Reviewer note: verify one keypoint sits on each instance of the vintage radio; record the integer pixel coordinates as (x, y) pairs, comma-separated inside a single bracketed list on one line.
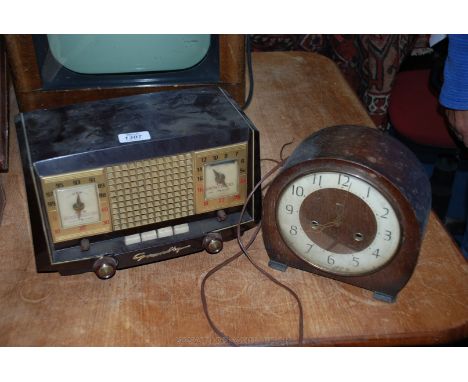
[(128, 181)]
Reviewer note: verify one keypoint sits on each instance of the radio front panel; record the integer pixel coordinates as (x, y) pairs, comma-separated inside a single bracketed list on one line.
[(140, 193)]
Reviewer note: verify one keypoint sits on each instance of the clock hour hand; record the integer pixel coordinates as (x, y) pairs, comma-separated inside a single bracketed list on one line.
[(336, 222)]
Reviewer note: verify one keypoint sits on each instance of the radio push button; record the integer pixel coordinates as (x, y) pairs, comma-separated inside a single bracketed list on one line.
[(181, 228), (165, 232), (132, 239), (149, 235)]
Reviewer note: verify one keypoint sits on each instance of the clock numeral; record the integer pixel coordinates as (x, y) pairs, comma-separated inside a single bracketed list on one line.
[(356, 261), (376, 253), (310, 247), (388, 235), (384, 215), (368, 192), (297, 190), (289, 208), (331, 260), (293, 230), (345, 178), (319, 179)]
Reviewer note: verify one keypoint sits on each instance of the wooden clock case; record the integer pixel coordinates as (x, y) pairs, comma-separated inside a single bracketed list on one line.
[(385, 164)]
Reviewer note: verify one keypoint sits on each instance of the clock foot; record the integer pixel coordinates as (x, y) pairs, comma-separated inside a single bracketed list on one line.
[(384, 297), (277, 265)]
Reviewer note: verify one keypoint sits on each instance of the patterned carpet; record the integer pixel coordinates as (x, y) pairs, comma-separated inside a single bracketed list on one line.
[(368, 62)]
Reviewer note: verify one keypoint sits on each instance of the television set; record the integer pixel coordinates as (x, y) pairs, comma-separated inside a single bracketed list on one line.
[(56, 70)]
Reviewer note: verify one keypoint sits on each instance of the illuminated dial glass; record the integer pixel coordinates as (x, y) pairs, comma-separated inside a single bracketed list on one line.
[(221, 179), (78, 205)]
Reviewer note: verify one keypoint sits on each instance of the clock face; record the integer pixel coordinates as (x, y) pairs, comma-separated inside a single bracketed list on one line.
[(338, 223)]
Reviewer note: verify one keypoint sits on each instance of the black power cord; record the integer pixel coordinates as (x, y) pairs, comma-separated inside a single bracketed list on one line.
[(248, 54)]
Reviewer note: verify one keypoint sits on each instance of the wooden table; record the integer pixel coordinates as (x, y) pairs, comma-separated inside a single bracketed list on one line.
[(159, 304)]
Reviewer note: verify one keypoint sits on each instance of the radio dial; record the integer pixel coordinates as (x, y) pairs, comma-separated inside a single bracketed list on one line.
[(78, 205)]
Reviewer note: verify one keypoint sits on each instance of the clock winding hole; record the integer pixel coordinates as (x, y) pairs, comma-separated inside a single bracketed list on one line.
[(358, 236), (337, 220)]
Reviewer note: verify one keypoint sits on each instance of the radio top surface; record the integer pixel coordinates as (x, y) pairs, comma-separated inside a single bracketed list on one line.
[(112, 131)]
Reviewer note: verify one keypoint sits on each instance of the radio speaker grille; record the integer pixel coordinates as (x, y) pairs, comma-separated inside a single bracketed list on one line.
[(151, 191)]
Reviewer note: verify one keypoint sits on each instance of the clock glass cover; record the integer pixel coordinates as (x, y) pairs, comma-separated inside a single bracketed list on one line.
[(338, 223)]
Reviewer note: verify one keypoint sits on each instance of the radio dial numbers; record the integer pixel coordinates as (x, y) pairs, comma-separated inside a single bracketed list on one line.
[(77, 204), (220, 177)]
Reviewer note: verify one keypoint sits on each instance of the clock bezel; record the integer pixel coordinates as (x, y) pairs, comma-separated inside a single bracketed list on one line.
[(392, 276), (385, 259)]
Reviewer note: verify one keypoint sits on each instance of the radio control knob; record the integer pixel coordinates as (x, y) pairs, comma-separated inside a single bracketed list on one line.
[(84, 244), (213, 243), (105, 267), (221, 215)]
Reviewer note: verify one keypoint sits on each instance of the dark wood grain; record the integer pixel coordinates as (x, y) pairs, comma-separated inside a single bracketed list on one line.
[(23, 63), (159, 304)]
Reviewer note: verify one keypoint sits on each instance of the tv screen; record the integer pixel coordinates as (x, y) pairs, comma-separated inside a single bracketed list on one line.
[(84, 61)]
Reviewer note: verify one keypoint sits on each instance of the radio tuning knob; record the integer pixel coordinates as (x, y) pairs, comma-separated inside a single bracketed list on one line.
[(213, 243), (84, 244), (105, 267), (221, 215)]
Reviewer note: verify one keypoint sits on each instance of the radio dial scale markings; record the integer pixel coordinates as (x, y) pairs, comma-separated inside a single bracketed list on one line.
[(77, 204), (220, 177)]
